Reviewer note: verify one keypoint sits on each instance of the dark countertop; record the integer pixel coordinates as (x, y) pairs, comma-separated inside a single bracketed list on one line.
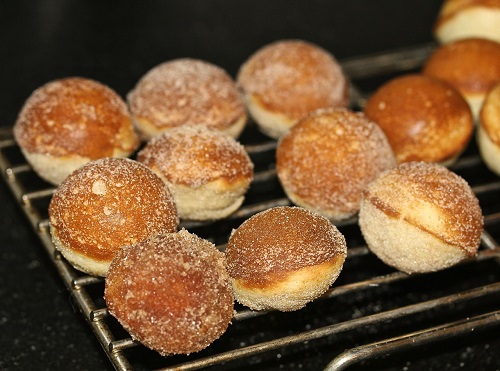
[(115, 43)]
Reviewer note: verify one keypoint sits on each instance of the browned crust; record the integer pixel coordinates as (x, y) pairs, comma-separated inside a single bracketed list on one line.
[(271, 244), (424, 119), (415, 187), (171, 292), (470, 65), (110, 203), (75, 115), (294, 77), (274, 281)]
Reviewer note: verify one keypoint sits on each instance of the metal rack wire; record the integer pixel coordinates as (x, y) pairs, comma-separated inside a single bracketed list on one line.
[(405, 310)]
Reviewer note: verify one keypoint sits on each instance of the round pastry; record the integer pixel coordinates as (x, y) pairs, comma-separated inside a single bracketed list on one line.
[(171, 292), (488, 133), (472, 66), (463, 19), (283, 258), (207, 172), (326, 160), (186, 91), (69, 122), (285, 80), (421, 217), (105, 205), (424, 119)]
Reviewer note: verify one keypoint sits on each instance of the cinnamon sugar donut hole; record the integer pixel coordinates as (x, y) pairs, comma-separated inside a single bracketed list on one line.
[(326, 160), (488, 132), (471, 66), (424, 119), (284, 81), (171, 292), (421, 217), (463, 19), (187, 91), (107, 204), (71, 121), (207, 172), (283, 258)]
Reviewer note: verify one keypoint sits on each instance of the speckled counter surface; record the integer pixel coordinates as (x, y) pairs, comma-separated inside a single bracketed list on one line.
[(115, 43)]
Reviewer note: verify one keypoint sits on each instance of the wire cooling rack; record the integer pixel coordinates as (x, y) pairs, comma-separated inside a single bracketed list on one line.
[(371, 313)]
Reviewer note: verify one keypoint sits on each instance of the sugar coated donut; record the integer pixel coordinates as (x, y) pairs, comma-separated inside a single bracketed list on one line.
[(424, 119), (207, 172), (105, 205), (472, 66), (171, 292), (71, 121), (488, 132), (326, 160), (463, 19), (283, 258), (284, 81), (187, 91), (421, 217)]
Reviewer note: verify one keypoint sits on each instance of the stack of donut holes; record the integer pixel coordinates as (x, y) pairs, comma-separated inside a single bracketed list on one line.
[(119, 217)]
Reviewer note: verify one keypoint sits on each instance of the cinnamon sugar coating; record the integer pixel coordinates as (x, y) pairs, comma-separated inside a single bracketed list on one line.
[(288, 79), (194, 155), (171, 292), (75, 116), (421, 217), (207, 172), (71, 121), (271, 254), (186, 91), (105, 205), (325, 161)]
